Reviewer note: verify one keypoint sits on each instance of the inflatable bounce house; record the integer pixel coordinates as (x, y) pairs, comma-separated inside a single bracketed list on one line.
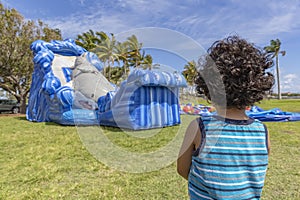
[(68, 88)]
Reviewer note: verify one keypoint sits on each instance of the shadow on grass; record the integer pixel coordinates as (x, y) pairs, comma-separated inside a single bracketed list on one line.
[(54, 124), (111, 128), (118, 129), (104, 128), (21, 118)]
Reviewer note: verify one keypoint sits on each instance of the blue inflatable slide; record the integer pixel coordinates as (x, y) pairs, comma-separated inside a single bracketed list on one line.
[(68, 88)]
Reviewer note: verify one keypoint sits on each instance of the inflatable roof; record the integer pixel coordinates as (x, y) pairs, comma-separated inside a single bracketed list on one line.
[(68, 88)]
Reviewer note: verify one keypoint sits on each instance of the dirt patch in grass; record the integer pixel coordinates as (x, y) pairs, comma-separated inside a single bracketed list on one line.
[(289, 132)]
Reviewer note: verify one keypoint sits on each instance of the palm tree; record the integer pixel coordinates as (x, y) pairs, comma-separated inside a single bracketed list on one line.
[(147, 61), (190, 72), (134, 55), (86, 40), (116, 75), (106, 51), (274, 48), (122, 51), (111, 52), (90, 39)]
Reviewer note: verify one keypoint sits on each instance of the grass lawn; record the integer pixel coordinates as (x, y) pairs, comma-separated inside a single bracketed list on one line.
[(49, 161)]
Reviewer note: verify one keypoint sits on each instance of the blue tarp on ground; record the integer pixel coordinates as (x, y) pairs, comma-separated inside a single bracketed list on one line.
[(272, 115)]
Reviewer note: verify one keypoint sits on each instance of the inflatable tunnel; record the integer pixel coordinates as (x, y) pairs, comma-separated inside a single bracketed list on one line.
[(68, 88)]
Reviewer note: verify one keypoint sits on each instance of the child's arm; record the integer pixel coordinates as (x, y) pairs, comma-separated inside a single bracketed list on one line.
[(269, 143), (267, 139), (190, 142)]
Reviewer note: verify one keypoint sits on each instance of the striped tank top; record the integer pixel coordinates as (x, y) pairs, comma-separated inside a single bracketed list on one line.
[(231, 161)]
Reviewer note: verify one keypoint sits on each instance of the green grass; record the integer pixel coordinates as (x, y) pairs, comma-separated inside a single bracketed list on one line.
[(49, 161), (291, 105)]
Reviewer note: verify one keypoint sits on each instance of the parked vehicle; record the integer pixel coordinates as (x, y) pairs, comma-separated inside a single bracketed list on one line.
[(7, 105)]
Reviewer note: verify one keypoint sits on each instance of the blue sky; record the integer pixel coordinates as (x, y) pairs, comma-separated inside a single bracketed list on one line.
[(186, 28)]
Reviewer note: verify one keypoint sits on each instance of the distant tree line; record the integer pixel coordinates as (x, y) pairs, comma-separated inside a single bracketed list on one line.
[(287, 94)]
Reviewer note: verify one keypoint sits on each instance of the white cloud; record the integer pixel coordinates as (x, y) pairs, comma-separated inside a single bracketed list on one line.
[(198, 19), (290, 77), (290, 83), (77, 24), (283, 17), (82, 2), (166, 40)]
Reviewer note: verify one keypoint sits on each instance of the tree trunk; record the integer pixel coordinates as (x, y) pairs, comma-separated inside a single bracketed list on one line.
[(23, 105), (278, 78)]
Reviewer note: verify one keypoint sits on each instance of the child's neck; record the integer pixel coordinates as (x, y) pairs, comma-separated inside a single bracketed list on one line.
[(232, 113)]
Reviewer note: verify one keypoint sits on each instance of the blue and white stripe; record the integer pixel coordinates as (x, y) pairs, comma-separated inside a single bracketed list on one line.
[(231, 162)]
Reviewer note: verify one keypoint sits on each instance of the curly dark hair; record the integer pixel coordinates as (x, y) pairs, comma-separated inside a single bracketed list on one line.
[(233, 73)]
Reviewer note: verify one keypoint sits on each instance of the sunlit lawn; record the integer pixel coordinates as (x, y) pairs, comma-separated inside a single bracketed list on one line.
[(49, 161)]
